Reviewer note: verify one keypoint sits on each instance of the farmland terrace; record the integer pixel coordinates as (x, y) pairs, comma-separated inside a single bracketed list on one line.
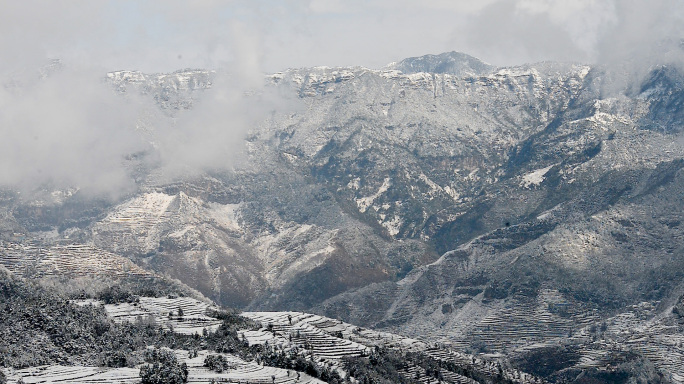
[(72, 260), (326, 342)]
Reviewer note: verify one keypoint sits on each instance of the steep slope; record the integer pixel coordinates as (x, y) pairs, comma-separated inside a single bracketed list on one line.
[(490, 208), (377, 157), (595, 212)]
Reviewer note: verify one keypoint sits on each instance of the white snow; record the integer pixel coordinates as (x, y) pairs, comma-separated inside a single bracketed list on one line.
[(535, 177), (365, 202), (226, 215), (393, 225), (354, 183)]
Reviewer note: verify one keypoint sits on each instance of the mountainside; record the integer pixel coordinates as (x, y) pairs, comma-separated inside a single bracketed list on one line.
[(360, 189), (500, 210)]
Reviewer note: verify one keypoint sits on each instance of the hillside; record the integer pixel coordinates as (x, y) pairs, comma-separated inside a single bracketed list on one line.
[(88, 340), (502, 211)]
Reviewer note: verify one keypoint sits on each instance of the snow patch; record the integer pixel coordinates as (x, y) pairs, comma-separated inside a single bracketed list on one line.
[(354, 183), (226, 216), (148, 207), (365, 202), (535, 177), (393, 226)]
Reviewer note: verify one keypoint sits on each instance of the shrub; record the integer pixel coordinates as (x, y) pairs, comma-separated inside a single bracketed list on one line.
[(163, 368), (217, 363), (114, 359), (115, 295)]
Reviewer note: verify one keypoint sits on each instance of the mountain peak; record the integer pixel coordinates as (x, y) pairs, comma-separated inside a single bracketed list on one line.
[(452, 63)]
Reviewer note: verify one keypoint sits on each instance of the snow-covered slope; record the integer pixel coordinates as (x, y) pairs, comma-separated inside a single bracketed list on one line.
[(441, 197)]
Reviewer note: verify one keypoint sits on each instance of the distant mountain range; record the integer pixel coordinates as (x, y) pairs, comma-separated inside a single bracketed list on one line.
[(510, 211)]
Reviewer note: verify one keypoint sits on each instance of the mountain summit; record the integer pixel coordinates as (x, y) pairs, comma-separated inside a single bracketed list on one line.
[(450, 63)]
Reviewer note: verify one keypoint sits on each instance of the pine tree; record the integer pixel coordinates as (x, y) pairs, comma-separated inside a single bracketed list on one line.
[(163, 368)]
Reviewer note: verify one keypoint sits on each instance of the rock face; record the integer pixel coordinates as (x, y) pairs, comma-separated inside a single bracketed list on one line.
[(486, 207)]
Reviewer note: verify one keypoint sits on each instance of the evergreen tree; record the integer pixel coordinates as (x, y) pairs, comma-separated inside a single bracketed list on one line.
[(163, 368)]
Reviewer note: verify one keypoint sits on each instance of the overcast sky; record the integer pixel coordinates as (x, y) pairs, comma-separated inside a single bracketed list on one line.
[(69, 129), (164, 35)]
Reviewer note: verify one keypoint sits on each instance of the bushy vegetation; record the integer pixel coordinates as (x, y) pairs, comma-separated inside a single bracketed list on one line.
[(40, 327), (115, 294), (112, 291), (294, 360), (383, 366), (547, 360), (556, 364), (380, 367), (216, 363), (163, 368)]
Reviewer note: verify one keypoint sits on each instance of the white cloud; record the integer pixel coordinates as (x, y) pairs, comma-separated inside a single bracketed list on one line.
[(70, 129), (67, 130)]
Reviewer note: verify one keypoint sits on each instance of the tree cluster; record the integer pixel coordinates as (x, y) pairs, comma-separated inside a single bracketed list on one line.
[(217, 363), (163, 368), (39, 327)]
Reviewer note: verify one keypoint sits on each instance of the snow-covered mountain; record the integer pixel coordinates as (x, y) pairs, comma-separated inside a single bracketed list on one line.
[(496, 209)]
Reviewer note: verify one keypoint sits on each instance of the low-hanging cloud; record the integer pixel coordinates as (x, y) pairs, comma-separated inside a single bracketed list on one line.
[(627, 38), (603, 32), (524, 31), (643, 36), (211, 135), (63, 126), (69, 128)]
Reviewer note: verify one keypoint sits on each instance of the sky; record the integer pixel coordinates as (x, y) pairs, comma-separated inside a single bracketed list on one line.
[(69, 129), (165, 35)]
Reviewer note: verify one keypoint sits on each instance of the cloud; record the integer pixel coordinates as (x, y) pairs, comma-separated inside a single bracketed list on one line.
[(156, 35), (505, 33), (604, 32), (68, 130), (66, 127), (643, 35), (211, 135), (626, 38), (509, 32)]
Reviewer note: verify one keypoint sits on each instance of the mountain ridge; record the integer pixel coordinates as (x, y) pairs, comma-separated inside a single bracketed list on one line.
[(435, 204)]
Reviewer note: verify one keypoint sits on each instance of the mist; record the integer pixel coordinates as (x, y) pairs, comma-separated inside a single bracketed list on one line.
[(627, 38), (67, 128), (64, 126)]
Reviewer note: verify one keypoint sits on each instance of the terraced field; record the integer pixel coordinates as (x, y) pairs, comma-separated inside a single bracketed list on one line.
[(651, 333), (164, 311), (329, 340), (659, 338), (323, 340), (444, 375), (242, 372), (72, 260), (73, 374)]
